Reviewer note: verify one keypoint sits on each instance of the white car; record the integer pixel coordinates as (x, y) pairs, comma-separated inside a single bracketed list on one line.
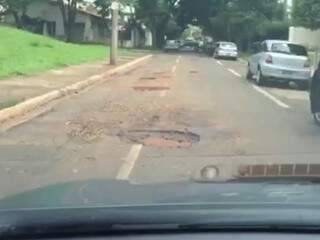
[(280, 61), (226, 50)]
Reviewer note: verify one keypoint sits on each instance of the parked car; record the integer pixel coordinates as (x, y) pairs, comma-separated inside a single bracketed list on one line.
[(172, 45), (209, 48), (189, 46), (281, 61), (226, 50), (315, 95)]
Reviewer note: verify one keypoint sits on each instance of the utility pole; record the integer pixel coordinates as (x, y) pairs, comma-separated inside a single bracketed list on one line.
[(114, 35)]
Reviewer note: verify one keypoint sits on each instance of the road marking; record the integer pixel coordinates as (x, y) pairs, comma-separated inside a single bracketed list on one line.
[(271, 97), (220, 63), (174, 68), (128, 165), (163, 93), (291, 94), (178, 60), (234, 72)]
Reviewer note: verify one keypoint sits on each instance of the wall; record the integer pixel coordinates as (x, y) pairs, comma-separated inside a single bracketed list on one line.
[(45, 10), (306, 37)]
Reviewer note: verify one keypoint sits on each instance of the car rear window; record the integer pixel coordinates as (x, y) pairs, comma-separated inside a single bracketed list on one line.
[(288, 48), (228, 45)]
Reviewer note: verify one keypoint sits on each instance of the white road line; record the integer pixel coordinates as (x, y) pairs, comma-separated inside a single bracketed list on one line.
[(234, 72), (178, 60), (128, 165), (174, 68), (163, 93), (220, 63), (271, 97)]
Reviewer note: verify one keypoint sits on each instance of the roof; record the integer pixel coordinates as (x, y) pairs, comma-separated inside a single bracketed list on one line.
[(88, 8), (277, 41), (226, 42)]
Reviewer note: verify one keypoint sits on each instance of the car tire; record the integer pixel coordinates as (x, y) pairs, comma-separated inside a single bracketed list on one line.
[(235, 59), (260, 79), (249, 75)]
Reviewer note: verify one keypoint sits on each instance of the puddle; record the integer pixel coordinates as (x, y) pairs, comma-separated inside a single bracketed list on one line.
[(161, 139)]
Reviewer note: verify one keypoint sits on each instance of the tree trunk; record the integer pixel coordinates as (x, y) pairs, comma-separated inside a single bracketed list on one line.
[(17, 20), (68, 12), (154, 38), (62, 8)]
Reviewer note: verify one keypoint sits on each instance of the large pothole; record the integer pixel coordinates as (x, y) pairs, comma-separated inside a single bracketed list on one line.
[(161, 139)]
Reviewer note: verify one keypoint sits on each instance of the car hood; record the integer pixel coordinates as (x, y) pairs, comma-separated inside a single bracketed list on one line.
[(95, 193)]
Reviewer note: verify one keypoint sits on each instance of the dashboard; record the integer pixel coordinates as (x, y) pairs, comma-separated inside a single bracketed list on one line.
[(207, 236)]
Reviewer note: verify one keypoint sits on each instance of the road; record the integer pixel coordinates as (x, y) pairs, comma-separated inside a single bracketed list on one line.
[(161, 122)]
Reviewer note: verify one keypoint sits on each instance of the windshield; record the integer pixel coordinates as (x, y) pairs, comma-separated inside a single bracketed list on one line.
[(291, 49), (158, 102)]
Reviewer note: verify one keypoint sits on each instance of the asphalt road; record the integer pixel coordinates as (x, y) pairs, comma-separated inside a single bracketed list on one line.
[(161, 122)]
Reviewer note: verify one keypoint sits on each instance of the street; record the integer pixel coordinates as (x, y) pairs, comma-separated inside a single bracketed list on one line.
[(160, 122)]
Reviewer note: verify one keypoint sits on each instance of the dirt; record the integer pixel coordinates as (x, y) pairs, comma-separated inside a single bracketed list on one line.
[(161, 139), (118, 119)]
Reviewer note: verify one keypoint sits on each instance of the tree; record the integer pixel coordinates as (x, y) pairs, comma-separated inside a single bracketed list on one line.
[(306, 13), (233, 20), (104, 7), (68, 10), (17, 8), (155, 14)]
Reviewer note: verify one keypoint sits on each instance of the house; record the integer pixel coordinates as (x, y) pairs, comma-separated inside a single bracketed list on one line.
[(44, 17), (307, 37)]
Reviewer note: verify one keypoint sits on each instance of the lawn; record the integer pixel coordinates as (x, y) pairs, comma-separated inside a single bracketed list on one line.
[(24, 53)]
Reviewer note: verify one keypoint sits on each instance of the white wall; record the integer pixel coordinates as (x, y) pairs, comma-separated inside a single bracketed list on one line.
[(306, 37), (51, 13)]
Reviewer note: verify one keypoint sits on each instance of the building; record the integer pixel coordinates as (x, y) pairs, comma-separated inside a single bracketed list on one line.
[(44, 17)]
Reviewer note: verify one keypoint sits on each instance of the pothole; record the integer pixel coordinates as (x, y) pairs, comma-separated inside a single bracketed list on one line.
[(148, 78), (150, 88), (161, 139), (193, 71), (89, 131)]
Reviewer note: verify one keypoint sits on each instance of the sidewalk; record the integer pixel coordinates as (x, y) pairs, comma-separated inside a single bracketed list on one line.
[(18, 89)]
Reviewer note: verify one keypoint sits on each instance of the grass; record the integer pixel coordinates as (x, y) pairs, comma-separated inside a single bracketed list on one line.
[(245, 55), (9, 103), (24, 53)]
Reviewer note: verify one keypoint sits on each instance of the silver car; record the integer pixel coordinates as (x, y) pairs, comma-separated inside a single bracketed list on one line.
[(226, 50), (172, 45), (280, 61)]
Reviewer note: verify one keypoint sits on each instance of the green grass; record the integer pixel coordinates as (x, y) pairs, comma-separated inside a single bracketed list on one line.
[(24, 53), (9, 103), (245, 55)]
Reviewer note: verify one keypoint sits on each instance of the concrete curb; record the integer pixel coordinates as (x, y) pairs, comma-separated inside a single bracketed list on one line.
[(33, 103)]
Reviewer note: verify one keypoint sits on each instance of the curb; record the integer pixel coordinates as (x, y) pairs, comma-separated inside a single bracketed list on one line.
[(31, 104)]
